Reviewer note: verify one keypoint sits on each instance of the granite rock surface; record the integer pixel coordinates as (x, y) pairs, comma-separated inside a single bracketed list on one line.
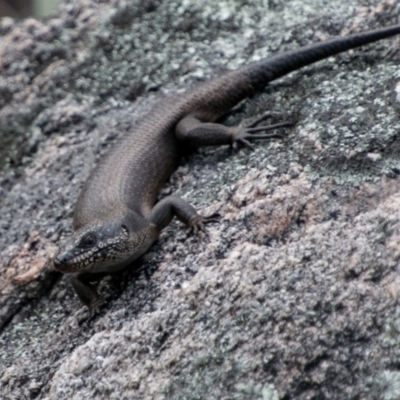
[(293, 295)]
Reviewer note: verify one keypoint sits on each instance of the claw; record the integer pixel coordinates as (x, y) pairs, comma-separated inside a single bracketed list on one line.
[(197, 225), (245, 143), (268, 136), (94, 307), (269, 127), (196, 229), (212, 218), (263, 117)]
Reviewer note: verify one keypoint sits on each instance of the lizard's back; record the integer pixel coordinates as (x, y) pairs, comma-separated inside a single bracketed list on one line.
[(131, 174)]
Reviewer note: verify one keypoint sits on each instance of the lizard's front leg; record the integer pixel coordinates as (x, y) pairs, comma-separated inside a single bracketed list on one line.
[(86, 292), (163, 212)]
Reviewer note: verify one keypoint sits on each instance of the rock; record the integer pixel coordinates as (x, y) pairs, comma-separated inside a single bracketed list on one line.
[(292, 295)]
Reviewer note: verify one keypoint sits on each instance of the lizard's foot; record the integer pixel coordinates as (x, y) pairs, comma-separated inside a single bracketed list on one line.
[(197, 224), (243, 135), (94, 307)]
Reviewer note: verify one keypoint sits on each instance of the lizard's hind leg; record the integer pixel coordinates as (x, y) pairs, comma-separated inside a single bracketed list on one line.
[(192, 132)]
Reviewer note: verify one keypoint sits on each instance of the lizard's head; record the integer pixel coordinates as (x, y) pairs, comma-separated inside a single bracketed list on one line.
[(95, 247)]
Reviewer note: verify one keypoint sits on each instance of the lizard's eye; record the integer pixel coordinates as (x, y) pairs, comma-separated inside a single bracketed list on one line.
[(88, 241)]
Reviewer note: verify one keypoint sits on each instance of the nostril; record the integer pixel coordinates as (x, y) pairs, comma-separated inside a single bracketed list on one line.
[(60, 259)]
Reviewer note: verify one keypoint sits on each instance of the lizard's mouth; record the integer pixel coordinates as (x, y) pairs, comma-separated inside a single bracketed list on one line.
[(61, 266), (64, 264)]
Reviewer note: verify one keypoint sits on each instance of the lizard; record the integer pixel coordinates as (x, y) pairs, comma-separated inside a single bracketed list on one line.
[(118, 217)]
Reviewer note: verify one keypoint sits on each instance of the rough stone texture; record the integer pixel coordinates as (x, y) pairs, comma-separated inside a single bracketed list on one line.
[(293, 295)]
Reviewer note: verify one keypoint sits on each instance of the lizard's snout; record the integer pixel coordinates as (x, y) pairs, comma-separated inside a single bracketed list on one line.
[(61, 263)]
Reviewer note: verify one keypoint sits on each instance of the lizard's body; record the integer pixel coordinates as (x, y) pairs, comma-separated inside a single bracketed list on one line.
[(117, 217)]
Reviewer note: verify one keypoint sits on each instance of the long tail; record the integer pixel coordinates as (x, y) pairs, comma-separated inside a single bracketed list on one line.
[(218, 96), (267, 70)]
